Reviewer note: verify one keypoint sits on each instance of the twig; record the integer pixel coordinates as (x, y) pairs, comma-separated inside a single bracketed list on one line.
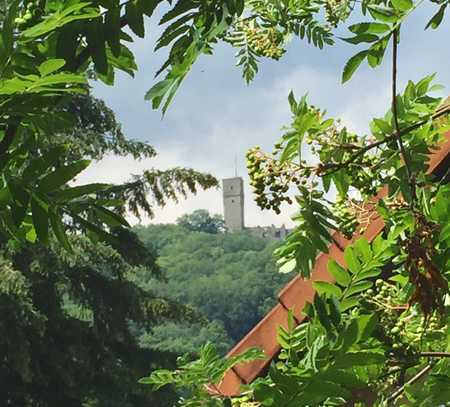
[(435, 354), (335, 167), (399, 140), (414, 379)]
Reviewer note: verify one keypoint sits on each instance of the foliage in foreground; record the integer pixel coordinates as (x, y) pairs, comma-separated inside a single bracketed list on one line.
[(379, 335), (49, 125), (66, 318)]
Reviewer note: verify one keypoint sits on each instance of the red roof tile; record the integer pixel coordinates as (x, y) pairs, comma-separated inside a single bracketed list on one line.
[(299, 291)]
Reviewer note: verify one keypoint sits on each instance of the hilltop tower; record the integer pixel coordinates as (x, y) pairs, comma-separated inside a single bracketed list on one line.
[(233, 203)]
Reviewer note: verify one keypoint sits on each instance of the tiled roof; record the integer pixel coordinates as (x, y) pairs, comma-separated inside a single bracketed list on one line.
[(299, 291)]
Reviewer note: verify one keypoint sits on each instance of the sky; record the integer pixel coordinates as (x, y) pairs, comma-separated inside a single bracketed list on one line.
[(216, 117)]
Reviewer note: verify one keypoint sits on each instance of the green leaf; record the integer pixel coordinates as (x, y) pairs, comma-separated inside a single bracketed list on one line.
[(39, 165), (135, 19), (324, 287), (7, 34), (95, 231), (5, 196), (249, 355), (292, 102), (110, 218), (335, 310), (159, 89), (180, 8), (75, 11), (40, 220), (321, 310), (348, 303), (62, 175), (366, 325), (361, 358), (357, 288), (377, 51), (341, 276), (382, 13), (112, 30), (383, 125), (361, 38), (351, 260), (288, 266), (352, 65), (369, 28), (8, 223), (50, 66), (95, 36), (75, 192), (349, 336), (423, 85), (436, 20), (364, 275), (147, 6), (169, 37), (59, 230), (402, 5), (363, 250)]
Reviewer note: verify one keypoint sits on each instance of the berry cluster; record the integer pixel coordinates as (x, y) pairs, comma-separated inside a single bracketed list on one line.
[(33, 10), (346, 217), (336, 11), (271, 179), (266, 42), (402, 325)]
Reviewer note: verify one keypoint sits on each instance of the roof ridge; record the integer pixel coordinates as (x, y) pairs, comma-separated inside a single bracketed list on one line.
[(298, 291)]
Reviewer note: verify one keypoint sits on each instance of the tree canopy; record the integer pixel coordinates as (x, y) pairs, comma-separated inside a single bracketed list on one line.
[(201, 221), (229, 277)]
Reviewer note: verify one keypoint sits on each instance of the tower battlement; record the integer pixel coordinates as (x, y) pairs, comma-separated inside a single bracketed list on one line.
[(234, 214), (233, 203)]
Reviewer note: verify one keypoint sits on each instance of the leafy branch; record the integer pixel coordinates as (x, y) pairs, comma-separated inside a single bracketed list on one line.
[(330, 168), (422, 373), (399, 140)]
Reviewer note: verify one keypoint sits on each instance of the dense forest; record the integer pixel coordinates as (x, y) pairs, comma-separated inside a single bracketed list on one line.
[(230, 278)]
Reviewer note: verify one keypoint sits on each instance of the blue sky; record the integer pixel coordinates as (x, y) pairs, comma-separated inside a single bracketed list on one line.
[(216, 117)]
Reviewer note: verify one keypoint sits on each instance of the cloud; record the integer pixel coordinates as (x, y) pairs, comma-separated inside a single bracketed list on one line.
[(215, 117)]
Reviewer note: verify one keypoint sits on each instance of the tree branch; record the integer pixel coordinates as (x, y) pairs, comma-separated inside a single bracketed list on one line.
[(398, 137), (336, 167), (435, 354), (414, 379)]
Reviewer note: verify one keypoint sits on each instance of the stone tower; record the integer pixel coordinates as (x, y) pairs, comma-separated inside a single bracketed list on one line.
[(233, 203)]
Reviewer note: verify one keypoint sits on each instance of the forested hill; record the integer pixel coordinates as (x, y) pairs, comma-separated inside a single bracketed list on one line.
[(230, 277)]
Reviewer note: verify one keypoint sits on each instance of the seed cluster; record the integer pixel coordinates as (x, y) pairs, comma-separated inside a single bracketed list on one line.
[(403, 326), (271, 179), (346, 217), (266, 42), (33, 10), (336, 11)]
